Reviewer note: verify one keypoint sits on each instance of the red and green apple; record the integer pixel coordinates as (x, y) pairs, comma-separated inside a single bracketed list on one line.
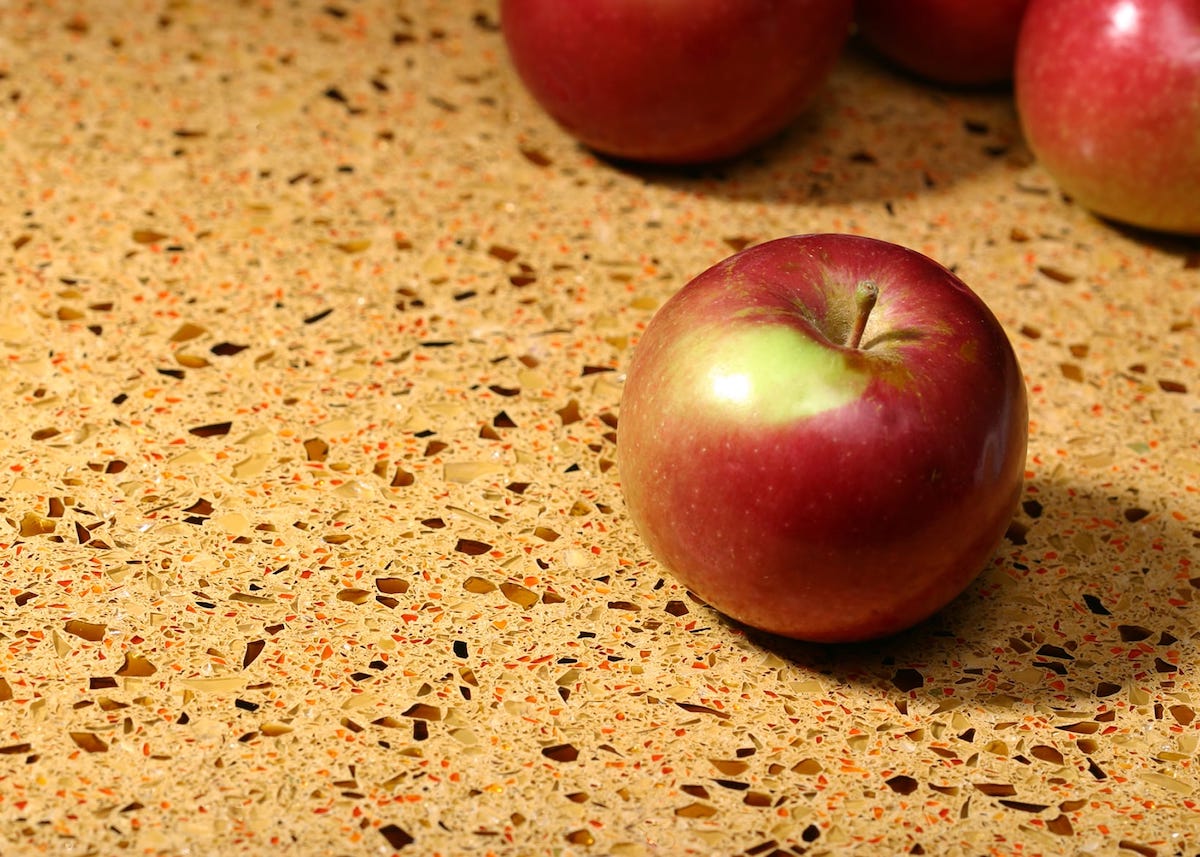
[(674, 81), (961, 42), (1108, 93), (823, 436)]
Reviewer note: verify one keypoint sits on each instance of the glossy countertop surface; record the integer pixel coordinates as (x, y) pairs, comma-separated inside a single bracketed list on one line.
[(312, 541)]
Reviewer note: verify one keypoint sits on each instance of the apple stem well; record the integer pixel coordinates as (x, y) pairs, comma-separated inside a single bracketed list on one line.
[(865, 297)]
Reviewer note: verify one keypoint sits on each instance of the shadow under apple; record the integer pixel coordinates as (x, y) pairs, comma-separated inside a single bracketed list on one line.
[(1088, 597), (871, 135), (1186, 247)]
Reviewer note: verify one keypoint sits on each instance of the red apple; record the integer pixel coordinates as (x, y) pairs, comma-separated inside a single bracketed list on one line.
[(964, 42), (823, 436), (1108, 92), (674, 81)]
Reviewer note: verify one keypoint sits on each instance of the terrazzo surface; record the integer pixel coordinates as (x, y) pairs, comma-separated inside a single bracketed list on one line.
[(312, 541)]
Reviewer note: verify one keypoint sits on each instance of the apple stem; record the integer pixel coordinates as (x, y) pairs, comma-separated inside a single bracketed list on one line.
[(865, 297)]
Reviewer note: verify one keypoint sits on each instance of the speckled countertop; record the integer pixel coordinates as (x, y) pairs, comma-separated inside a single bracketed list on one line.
[(312, 342)]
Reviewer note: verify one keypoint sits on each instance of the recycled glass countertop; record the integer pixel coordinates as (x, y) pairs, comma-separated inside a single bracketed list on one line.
[(312, 542)]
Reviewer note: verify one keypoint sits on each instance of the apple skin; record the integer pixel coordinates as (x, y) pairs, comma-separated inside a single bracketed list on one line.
[(958, 42), (674, 81), (810, 489), (1108, 93)]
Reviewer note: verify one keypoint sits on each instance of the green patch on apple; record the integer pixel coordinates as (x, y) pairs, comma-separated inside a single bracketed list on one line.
[(772, 372)]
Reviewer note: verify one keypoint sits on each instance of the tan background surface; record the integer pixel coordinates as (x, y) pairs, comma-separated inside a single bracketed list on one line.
[(312, 543)]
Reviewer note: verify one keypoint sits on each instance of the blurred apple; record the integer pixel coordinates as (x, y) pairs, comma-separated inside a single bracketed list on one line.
[(823, 436), (962, 42), (1108, 92), (674, 81)]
